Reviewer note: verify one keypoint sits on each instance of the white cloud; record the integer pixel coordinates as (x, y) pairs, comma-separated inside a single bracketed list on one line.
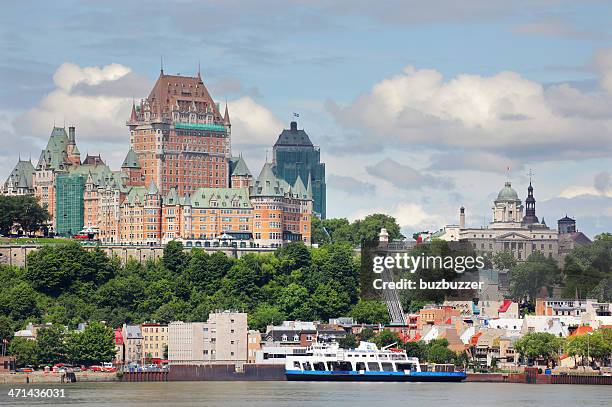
[(504, 114), (410, 217), (97, 100), (98, 115), (602, 61), (252, 123), (602, 187)]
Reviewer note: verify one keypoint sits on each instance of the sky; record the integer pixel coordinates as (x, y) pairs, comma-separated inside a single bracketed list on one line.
[(418, 107)]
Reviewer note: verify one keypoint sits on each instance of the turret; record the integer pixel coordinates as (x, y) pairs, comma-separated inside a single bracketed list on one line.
[(462, 218)]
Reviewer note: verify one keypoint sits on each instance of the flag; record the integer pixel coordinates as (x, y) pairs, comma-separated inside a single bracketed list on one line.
[(296, 115)]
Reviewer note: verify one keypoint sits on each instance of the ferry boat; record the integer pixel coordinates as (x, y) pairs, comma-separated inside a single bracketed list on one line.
[(365, 363)]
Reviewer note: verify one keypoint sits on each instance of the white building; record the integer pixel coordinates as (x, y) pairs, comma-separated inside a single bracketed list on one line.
[(510, 230), (222, 339)]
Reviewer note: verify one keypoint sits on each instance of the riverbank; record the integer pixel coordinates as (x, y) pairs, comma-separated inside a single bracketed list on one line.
[(310, 394), (51, 378)]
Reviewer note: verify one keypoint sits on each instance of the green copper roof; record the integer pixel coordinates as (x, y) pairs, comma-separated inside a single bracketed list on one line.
[(507, 193), (102, 176), (220, 198), (131, 160), (55, 154), (197, 126), (152, 189), (22, 175), (240, 168), (172, 197), (135, 194)]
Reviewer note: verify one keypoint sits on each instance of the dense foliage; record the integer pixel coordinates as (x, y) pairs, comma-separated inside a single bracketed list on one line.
[(66, 284), (54, 344), (342, 231), (539, 345), (21, 212), (588, 270)]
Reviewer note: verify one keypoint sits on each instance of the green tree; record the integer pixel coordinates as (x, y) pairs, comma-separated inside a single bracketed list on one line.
[(538, 345), (416, 349), (588, 270), (367, 334), (535, 273), (369, 227), (328, 301), (438, 353), (54, 268), (175, 259), (96, 344), (21, 211), (318, 234), (348, 342), (265, 315), (594, 345), (24, 350), (19, 302), (504, 260), (6, 328), (51, 345), (387, 337), (30, 215), (370, 312), (294, 303)]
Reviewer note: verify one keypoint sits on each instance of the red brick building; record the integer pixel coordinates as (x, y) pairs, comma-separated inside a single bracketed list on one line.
[(180, 137)]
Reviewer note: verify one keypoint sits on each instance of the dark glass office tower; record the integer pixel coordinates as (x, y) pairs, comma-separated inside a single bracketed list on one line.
[(295, 155)]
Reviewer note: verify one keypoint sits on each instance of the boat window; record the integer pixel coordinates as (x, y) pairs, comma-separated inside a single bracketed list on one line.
[(345, 366), (360, 366), (296, 364), (373, 366), (382, 356), (307, 366), (320, 366), (372, 355), (405, 366), (387, 367)]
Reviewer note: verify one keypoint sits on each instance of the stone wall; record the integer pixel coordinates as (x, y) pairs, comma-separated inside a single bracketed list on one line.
[(15, 255)]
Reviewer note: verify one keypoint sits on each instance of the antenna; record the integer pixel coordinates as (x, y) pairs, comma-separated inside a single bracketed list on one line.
[(199, 71), (531, 174), (161, 64), (508, 173)]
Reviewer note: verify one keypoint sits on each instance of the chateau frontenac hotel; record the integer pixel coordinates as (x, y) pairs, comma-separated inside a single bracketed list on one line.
[(179, 179)]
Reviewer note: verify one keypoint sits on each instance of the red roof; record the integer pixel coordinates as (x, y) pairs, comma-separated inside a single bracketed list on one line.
[(416, 338), (582, 330), (504, 307), (474, 339)]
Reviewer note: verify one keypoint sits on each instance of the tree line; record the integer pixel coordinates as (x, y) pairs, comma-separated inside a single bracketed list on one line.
[(22, 213), (55, 344)]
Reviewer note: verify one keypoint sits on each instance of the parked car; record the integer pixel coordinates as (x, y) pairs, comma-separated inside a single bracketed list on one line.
[(25, 370)]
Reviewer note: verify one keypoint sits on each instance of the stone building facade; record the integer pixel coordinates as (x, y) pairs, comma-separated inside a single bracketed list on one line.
[(509, 231)]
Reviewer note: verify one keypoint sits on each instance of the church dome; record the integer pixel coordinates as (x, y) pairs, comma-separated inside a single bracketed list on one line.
[(507, 193)]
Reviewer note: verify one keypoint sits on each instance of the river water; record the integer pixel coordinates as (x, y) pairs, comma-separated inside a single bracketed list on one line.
[(267, 394)]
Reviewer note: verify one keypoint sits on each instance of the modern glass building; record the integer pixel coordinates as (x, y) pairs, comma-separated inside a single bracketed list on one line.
[(69, 203), (295, 155)]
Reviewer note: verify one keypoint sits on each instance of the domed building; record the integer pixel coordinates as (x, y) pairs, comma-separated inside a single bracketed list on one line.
[(509, 230), (507, 208)]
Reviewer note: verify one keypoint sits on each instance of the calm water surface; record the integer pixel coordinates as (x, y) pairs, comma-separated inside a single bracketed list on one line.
[(266, 394)]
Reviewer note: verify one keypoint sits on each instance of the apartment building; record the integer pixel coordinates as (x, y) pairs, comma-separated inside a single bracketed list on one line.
[(221, 339)]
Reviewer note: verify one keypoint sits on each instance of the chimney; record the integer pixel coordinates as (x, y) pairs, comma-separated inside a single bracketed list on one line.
[(71, 138), (293, 126), (462, 218)]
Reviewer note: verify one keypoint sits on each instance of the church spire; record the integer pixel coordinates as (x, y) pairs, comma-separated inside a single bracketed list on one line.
[(530, 205), (226, 118), (133, 116)]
